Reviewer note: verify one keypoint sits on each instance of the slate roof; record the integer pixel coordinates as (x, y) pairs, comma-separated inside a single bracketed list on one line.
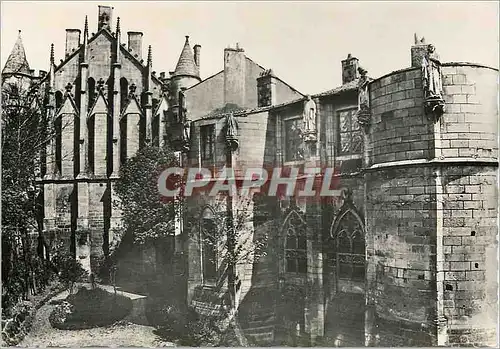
[(17, 63), (186, 64)]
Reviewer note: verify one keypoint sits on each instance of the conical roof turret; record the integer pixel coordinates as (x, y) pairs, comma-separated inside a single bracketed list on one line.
[(17, 62), (186, 65)]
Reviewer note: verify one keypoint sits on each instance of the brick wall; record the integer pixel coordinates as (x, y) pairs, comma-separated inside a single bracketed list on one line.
[(470, 124), (401, 252), (470, 209), (400, 129)]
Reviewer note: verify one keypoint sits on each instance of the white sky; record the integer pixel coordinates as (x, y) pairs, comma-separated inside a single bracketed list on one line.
[(303, 42)]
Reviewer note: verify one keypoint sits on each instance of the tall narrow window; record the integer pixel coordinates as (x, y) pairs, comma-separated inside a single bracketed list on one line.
[(207, 134), (296, 244), (350, 248), (59, 99), (123, 92), (123, 140), (58, 139), (91, 92), (209, 245), (350, 138), (293, 140)]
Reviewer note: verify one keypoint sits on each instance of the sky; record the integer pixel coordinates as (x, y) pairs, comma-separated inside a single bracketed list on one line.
[(303, 42)]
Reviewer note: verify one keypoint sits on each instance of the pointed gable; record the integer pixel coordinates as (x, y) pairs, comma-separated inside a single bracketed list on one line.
[(163, 105), (17, 62), (100, 105), (132, 106), (68, 106), (186, 64)]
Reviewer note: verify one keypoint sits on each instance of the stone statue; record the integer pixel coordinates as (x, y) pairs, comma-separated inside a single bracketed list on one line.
[(364, 112), (431, 73), (182, 106), (309, 116), (231, 132), (432, 84)]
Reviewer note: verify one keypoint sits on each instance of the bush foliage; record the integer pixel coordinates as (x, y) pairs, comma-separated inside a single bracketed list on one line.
[(90, 308)]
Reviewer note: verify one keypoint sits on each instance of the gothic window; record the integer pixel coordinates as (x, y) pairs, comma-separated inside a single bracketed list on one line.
[(207, 134), (350, 248), (155, 129), (293, 140), (209, 244), (123, 92), (295, 244), (91, 91), (350, 137), (59, 99)]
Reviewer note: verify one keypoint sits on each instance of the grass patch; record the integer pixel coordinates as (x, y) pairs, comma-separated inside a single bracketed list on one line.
[(90, 308)]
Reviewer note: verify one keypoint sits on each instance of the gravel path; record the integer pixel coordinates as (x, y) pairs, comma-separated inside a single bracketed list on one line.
[(42, 334)]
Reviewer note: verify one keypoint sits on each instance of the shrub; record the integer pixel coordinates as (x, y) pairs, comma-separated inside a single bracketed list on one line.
[(15, 328), (89, 309), (69, 270)]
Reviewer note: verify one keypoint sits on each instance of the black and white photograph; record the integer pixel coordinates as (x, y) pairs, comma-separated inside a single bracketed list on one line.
[(249, 174)]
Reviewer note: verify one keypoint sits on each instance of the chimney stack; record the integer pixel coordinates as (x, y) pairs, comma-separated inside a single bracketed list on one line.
[(266, 89), (105, 17), (197, 49), (135, 43), (72, 40), (350, 69), (234, 76)]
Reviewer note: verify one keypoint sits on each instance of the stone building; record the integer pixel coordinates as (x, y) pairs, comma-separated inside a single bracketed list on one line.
[(407, 255)]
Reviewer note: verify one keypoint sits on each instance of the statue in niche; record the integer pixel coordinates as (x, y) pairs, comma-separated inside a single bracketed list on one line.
[(309, 120), (364, 113), (432, 83)]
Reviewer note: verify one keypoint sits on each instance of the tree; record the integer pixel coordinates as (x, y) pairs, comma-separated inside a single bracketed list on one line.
[(146, 214), (25, 134)]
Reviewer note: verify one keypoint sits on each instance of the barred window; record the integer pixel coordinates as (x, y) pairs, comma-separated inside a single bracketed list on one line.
[(207, 134), (350, 136)]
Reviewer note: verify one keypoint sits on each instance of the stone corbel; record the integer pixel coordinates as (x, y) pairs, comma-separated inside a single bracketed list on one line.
[(434, 108)]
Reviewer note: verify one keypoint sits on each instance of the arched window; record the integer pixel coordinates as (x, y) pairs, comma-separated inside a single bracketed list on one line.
[(123, 92), (91, 91), (209, 245), (59, 99), (350, 247), (294, 231)]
